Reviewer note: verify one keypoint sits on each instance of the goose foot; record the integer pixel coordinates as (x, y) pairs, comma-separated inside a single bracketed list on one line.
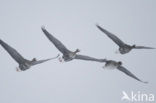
[(17, 69), (117, 52), (60, 59)]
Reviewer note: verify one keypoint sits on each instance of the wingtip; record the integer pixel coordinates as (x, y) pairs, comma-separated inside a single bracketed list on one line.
[(55, 57), (151, 48), (146, 82), (97, 25), (43, 27)]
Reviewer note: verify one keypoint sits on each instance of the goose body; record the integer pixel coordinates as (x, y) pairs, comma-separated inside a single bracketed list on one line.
[(123, 47), (67, 54), (110, 64)]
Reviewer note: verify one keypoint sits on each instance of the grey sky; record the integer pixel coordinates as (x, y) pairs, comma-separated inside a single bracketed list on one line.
[(73, 22)]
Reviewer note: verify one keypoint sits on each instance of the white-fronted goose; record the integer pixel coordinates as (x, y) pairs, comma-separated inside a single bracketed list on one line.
[(67, 54), (123, 47), (24, 64)]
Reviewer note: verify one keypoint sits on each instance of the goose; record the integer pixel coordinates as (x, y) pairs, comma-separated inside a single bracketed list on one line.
[(123, 47), (67, 54), (24, 64), (111, 64)]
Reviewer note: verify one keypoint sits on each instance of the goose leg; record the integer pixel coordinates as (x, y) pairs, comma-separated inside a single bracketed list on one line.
[(117, 52), (17, 69), (60, 59)]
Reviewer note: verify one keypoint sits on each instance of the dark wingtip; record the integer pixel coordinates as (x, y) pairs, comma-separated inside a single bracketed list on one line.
[(146, 82), (97, 25), (151, 48)]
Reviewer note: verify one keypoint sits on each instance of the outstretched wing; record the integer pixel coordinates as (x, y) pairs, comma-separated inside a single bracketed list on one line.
[(13, 53), (121, 68), (39, 61), (42, 61), (112, 36), (83, 57), (56, 42), (143, 47)]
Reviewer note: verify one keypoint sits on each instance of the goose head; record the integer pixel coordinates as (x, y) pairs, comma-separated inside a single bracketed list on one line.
[(72, 55), (133, 46), (119, 63), (76, 51), (34, 59)]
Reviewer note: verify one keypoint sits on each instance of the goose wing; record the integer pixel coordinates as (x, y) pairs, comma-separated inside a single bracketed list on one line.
[(112, 36), (39, 61), (143, 47), (83, 57), (56, 42), (42, 61), (124, 70), (13, 53)]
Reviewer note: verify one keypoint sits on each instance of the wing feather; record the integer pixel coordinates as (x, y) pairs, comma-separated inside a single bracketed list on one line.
[(124, 70), (83, 57), (111, 36), (56, 42), (13, 53), (42, 61), (143, 47)]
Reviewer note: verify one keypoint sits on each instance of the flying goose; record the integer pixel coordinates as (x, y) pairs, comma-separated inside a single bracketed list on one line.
[(24, 64), (123, 47), (111, 64), (67, 54)]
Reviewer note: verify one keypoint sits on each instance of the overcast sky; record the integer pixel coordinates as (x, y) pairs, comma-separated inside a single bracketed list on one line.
[(73, 23)]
